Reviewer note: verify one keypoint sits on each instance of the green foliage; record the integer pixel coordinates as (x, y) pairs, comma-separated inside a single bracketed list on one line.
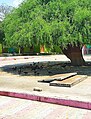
[(36, 49), (2, 36), (0, 48), (52, 22), (57, 49)]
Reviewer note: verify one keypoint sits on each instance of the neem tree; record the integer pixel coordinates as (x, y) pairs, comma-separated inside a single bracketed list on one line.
[(66, 23), (4, 10), (2, 36)]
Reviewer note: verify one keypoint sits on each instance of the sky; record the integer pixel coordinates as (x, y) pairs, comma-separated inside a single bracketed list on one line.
[(13, 3)]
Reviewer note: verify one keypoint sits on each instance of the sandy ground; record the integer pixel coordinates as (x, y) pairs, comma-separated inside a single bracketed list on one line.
[(12, 79), (23, 77)]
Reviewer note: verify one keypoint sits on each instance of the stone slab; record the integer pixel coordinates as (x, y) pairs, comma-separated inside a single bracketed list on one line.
[(58, 77), (69, 82)]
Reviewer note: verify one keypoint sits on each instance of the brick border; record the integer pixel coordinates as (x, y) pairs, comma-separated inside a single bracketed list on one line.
[(65, 102)]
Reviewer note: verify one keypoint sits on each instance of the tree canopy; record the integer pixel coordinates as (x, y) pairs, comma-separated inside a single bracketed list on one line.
[(50, 22), (4, 10), (2, 36)]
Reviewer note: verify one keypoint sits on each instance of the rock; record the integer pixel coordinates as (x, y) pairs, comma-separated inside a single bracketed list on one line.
[(37, 89)]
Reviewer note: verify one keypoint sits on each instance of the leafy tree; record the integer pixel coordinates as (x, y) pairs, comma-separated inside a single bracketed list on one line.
[(66, 23), (4, 10), (2, 36)]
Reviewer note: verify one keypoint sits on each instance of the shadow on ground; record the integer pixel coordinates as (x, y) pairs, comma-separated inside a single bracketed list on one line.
[(47, 69)]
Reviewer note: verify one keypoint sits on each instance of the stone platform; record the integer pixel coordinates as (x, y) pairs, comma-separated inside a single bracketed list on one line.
[(23, 87), (69, 82)]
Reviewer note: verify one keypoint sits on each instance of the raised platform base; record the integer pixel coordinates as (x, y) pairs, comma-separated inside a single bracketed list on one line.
[(54, 100), (29, 88)]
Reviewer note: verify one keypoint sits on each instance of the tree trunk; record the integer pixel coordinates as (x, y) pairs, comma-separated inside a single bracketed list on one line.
[(2, 49), (21, 50), (74, 53), (31, 49)]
